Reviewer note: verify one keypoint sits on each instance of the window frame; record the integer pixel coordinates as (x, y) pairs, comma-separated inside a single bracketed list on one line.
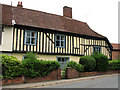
[(60, 40), (98, 47), (63, 62), (30, 37)]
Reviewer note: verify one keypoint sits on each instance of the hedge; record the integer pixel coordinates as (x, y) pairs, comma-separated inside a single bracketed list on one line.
[(78, 67), (11, 67), (114, 65), (29, 67), (101, 61), (88, 62), (32, 67)]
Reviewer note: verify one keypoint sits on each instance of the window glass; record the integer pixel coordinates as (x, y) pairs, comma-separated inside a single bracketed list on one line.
[(57, 37), (30, 37), (60, 41), (33, 34), (62, 37), (96, 49), (63, 61)]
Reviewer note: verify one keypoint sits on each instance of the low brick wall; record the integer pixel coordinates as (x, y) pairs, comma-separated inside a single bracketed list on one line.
[(12, 81), (54, 75), (72, 73)]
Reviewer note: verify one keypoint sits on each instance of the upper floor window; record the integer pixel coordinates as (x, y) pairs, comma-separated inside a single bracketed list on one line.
[(59, 40), (96, 49), (30, 37)]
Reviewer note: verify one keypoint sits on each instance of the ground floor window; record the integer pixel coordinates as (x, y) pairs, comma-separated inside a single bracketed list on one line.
[(96, 49), (63, 61)]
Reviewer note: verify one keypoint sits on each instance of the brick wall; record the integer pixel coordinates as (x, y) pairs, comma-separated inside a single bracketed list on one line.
[(72, 73), (54, 75), (115, 55)]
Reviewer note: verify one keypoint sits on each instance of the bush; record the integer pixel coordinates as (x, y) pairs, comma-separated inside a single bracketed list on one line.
[(101, 61), (11, 67), (32, 67), (78, 67), (88, 62), (114, 65)]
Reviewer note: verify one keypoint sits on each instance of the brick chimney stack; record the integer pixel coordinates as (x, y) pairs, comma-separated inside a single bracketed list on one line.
[(20, 4), (67, 11)]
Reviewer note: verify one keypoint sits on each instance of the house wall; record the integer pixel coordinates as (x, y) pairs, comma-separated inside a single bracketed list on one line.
[(7, 38), (74, 45), (47, 57), (115, 55)]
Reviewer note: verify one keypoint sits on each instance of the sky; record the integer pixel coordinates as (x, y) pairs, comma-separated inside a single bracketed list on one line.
[(100, 15)]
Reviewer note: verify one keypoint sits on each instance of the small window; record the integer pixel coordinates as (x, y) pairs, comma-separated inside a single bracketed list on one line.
[(63, 61), (60, 41), (96, 49), (30, 37)]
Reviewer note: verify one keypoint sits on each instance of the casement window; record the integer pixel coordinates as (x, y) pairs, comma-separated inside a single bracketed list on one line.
[(59, 40), (30, 37), (63, 61), (96, 49)]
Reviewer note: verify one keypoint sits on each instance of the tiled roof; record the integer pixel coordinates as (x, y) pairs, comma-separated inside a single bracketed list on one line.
[(40, 19), (116, 46)]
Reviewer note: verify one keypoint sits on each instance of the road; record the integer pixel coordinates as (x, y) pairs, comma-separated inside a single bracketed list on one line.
[(104, 82)]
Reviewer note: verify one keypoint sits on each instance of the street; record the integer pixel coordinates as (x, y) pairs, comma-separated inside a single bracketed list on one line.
[(104, 82)]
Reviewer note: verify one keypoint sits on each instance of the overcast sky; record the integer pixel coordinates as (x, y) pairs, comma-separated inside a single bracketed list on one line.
[(100, 15)]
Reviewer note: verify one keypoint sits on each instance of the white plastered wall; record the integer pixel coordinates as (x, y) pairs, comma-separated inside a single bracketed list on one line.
[(7, 38)]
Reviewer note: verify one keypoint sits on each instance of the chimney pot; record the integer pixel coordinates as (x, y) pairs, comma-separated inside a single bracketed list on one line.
[(67, 11), (19, 4)]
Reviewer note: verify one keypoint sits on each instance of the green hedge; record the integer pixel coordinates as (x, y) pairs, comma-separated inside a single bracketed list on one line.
[(101, 61), (114, 65), (78, 67), (88, 62), (32, 67), (11, 67)]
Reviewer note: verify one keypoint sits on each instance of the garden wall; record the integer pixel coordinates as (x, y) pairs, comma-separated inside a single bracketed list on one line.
[(54, 75), (72, 73)]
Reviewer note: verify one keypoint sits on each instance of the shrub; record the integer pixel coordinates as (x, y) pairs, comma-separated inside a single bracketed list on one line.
[(101, 61), (88, 62), (78, 67), (114, 65), (32, 67), (11, 67)]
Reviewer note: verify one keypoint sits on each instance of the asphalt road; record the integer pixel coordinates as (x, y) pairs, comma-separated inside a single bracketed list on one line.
[(104, 82)]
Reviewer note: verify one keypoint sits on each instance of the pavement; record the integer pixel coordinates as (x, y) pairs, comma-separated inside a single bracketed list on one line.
[(48, 83)]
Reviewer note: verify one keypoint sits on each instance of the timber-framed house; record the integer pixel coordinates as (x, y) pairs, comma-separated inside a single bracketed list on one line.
[(52, 37)]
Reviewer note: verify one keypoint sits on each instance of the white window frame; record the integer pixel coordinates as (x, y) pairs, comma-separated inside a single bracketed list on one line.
[(30, 37), (60, 40)]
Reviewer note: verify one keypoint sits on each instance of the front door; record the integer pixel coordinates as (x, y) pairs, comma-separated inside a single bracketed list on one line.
[(63, 61)]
